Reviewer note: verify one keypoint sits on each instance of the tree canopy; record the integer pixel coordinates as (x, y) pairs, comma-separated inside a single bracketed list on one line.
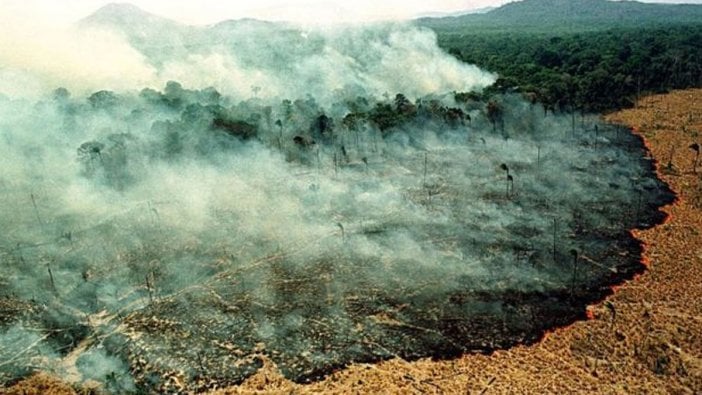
[(587, 71)]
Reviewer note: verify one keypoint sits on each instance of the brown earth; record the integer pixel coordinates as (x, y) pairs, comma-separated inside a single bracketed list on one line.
[(646, 338)]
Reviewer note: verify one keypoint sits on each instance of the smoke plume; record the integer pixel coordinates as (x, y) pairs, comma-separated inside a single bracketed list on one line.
[(318, 197)]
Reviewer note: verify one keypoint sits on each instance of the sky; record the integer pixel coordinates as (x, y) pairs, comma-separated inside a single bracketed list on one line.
[(65, 12)]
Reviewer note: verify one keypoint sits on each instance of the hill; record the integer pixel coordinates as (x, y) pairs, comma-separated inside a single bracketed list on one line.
[(589, 55), (569, 15), (163, 40), (130, 19)]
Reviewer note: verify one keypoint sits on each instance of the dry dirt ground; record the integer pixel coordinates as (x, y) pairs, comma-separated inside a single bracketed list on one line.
[(646, 338)]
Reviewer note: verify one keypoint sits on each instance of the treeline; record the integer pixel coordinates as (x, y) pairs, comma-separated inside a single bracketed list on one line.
[(586, 71), (569, 16), (177, 124)]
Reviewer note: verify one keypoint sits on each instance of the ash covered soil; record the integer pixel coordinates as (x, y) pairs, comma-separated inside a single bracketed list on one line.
[(184, 253), (643, 339), (311, 201)]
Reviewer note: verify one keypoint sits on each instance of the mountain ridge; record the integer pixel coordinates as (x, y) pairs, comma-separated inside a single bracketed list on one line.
[(447, 14), (571, 14), (123, 14)]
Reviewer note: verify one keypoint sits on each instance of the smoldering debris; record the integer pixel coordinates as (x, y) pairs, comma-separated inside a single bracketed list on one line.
[(183, 232), (173, 236)]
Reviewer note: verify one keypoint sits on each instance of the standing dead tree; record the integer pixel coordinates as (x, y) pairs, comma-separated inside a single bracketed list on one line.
[(36, 209), (695, 147), (424, 180), (343, 232), (510, 180), (51, 278), (574, 253), (510, 186), (669, 166), (555, 232)]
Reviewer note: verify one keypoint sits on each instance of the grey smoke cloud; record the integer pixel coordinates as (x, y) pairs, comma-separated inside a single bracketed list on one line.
[(34, 59), (122, 48), (186, 230)]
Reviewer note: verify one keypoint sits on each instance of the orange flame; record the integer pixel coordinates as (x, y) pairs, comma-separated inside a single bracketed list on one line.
[(590, 313)]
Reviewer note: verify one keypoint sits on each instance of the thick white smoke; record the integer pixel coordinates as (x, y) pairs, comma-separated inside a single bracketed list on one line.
[(35, 59), (122, 48), (329, 200), (354, 61)]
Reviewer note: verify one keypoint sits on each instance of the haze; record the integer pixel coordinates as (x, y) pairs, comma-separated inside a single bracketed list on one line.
[(212, 11), (190, 198)]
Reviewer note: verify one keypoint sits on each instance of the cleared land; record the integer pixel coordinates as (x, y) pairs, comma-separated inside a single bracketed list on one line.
[(644, 339)]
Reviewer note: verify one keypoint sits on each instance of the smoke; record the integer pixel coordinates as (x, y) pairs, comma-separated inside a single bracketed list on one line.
[(325, 64), (122, 48), (35, 58), (168, 237), (99, 366)]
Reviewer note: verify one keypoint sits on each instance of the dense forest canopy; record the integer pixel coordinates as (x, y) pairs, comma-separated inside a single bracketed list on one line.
[(587, 55), (561, 16)]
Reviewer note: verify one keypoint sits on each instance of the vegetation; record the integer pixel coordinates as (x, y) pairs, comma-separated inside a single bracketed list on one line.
[(597, 59), (564, 16)]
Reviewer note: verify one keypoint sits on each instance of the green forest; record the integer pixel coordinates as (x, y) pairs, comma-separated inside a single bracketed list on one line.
[(575, 63)]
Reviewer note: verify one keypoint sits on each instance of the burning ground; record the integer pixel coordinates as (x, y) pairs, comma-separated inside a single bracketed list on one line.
[(643, 339), (174, 238), (175, 244)]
